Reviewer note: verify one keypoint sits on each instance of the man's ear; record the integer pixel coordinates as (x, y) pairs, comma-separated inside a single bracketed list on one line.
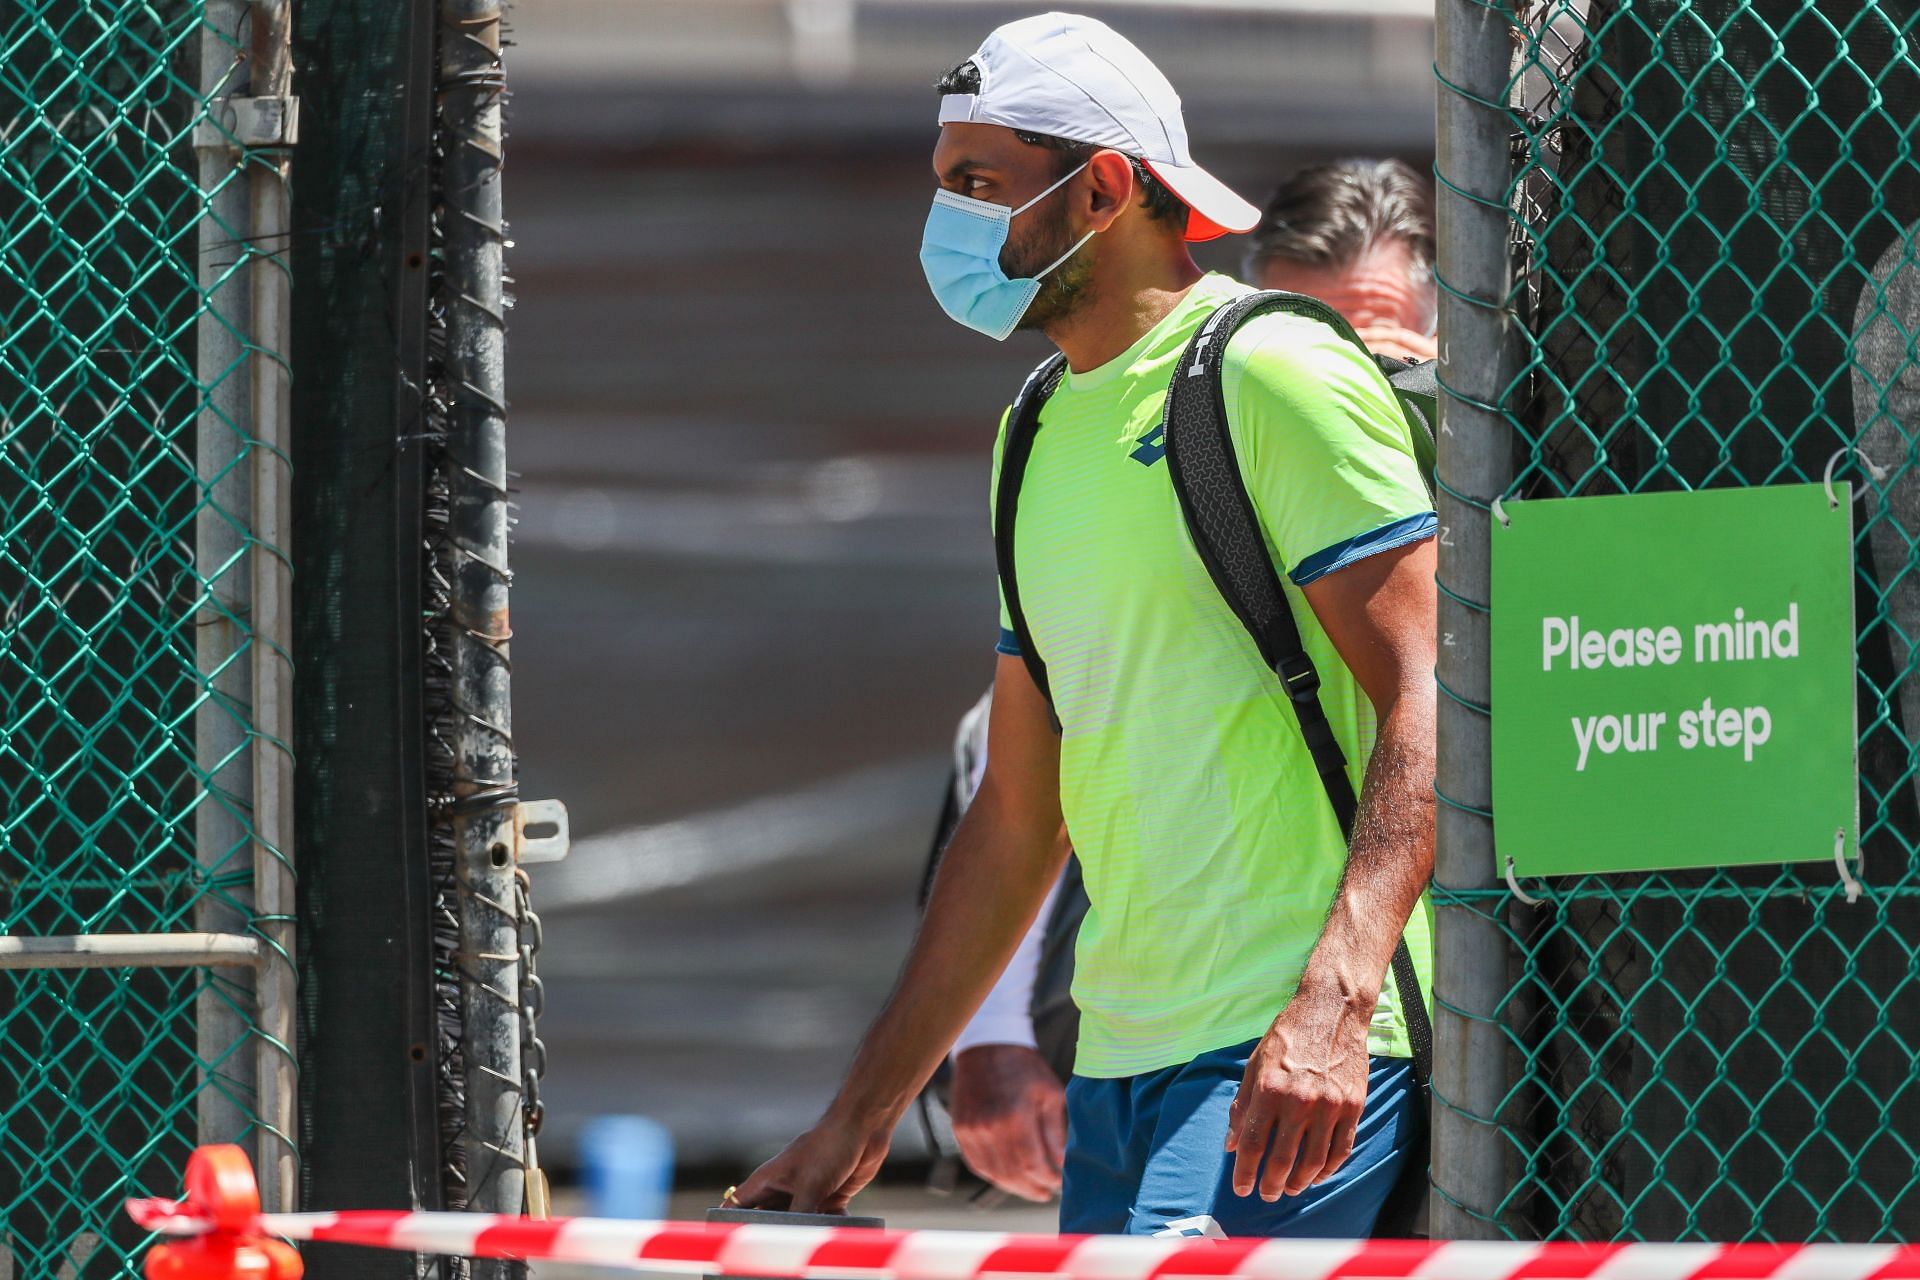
[(1111, 188)]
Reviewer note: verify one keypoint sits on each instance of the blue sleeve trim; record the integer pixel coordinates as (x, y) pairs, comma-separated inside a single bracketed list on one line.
[(1385, 538), (1009, 644)]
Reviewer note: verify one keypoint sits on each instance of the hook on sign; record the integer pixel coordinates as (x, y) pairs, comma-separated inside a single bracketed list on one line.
[(1874, 469), (1518, 892), (1840, 861)]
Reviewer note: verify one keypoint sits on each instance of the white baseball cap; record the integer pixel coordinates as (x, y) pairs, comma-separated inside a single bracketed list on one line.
[(1072, 77)]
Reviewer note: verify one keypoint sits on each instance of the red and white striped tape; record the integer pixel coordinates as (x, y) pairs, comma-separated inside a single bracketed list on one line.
[(804, 1253)]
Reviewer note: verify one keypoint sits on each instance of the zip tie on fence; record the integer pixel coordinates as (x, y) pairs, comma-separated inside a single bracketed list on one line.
[(1840, 861), (1874, 469), (231, 1239), (1513, 886)]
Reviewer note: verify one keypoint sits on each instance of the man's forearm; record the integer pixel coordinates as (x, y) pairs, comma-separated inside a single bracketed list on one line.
[(1298, 1111), (996, 872), (1389, 859), (1005, 1015)]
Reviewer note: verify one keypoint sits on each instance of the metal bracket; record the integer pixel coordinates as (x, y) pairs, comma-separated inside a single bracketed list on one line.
[(545, 847), (248, 124)]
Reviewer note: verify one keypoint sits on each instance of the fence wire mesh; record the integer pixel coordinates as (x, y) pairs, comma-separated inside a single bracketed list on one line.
[(1715, 234), (125, 730)]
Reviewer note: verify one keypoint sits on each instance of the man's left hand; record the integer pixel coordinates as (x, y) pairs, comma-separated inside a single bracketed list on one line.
[(1301, 1097)]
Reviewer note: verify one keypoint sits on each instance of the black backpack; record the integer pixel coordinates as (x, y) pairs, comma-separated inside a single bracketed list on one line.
[(1226, 533)]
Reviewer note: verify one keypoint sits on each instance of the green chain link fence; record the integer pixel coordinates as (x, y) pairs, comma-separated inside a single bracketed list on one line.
[(1702, 270), (128, 658)]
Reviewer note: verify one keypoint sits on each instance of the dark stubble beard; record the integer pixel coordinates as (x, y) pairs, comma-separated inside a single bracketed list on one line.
[(1069, 288)]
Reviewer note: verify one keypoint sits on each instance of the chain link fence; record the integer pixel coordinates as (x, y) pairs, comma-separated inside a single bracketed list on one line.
[(150, 970), (1681, 239), (145, 878)]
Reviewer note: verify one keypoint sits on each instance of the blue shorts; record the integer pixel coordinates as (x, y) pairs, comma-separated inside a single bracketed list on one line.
[(1147, 1154)]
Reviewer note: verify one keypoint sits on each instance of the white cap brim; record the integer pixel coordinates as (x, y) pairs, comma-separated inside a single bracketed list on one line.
[(1217, 209)]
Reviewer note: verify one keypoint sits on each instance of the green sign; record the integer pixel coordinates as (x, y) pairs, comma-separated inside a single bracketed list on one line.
[(1673, 680)]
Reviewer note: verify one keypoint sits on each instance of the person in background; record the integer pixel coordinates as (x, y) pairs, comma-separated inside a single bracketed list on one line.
[(1357, 234), (1006, 1089)]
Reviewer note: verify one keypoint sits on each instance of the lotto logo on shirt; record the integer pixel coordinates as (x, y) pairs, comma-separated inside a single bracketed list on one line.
[(1151, 447)]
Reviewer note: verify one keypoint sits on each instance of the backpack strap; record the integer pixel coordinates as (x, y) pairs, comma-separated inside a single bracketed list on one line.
[(1416, 385), (1226, 533), (1023, 423)]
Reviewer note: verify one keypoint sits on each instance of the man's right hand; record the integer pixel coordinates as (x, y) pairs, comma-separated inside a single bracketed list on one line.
[(1401, 343), (1010, 1117), (820, 1171)]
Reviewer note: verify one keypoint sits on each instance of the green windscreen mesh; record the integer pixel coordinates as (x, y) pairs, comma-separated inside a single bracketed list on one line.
[(1716, 234), (371, 1070)]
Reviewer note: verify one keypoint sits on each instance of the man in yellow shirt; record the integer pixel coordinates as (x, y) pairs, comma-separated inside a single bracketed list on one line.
[(1358, 234), (1240, 1030)]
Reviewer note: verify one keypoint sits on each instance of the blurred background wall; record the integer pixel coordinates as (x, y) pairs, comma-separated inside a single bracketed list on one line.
[(754, 583)]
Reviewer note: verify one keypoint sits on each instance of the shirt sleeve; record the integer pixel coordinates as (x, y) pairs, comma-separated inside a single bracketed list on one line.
[(1323, 445)]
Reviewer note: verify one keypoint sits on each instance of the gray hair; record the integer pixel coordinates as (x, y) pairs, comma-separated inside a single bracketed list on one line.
[(1330, 215)]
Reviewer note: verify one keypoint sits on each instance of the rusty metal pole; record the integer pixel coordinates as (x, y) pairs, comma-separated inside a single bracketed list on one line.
[(470, 88)]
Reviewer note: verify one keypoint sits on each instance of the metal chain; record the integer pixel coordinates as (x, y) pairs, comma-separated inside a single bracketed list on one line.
[(533, 1052)]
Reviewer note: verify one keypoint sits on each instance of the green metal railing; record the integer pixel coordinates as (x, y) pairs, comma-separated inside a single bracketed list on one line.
[(1681, 243), (145, 882)]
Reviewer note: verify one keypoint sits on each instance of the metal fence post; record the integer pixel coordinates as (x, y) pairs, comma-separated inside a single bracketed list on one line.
[(243, 729), (471, 85), (1474, 47), (224, 1044), (277, 979)]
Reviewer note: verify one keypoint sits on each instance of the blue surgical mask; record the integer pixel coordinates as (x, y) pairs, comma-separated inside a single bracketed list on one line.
[(960, 252)]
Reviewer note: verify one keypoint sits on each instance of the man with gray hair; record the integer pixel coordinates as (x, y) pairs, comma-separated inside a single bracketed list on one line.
[(1358, 235)]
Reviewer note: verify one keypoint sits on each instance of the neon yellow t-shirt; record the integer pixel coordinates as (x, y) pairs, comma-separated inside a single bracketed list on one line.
[(1210, 852)]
